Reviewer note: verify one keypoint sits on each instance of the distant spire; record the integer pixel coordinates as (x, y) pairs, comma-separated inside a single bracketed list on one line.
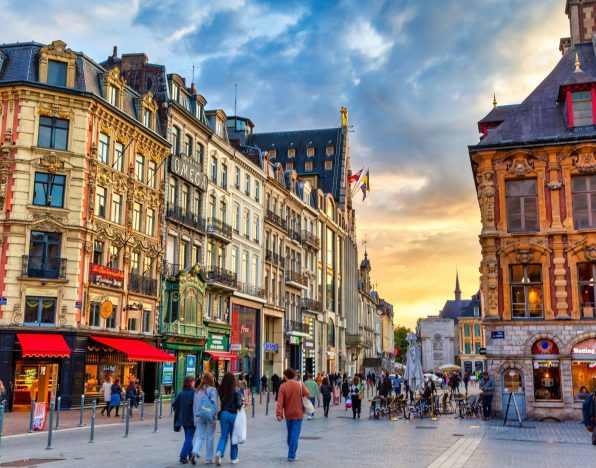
[(457, 290), (578, 65), (494, 100)]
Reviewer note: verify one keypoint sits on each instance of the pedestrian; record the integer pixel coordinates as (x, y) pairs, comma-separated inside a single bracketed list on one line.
[(264, 383), (326, 390), (487, 387), (184, 416), (356, 396), (466, 381), (132, 395), (115, 396), (397, 385), (106, 388), (582, 394), (313, 389), (345, 389), (242, 386), (275, 381), (230, 402), (589, 415), (205, 396), (3, 397), (289, 405)]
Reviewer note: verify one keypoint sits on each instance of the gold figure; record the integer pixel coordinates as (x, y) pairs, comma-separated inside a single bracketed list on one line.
[(344, 116), (577, 63)]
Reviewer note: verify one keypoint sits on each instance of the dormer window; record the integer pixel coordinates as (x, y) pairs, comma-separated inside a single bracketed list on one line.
[(148, 108), (219, 128), (329, 150), (272, 154), (175, 92), (57, 71), (113, 95), (291, 152), (57, 65), (582, 108), (148, 118), (113, 86), (310, 152)]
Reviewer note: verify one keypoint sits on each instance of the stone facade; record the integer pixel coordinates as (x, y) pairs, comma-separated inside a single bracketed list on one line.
[(437, 342)]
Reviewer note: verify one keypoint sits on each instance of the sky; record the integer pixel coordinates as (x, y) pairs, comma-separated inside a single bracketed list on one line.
[(415, 75)]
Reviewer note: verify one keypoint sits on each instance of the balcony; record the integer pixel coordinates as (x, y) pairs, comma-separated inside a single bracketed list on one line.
[(43, 267), (142, 285), (295, 326), (296, 279), (251, 290), (180, 328), (294, 235), (311, 304), (218, 277), (220, 230), (358, 341), (274, 258), (276, 220), (310, 240), (186, 217)]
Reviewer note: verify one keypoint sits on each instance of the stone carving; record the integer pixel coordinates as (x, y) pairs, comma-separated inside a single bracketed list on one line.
[(486, 197), (524, 255), (590, 253), (584, 163), (53, 110), (52, 162), (554, 185)]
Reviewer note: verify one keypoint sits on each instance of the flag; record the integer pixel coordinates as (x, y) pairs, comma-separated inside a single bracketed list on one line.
[(355, 177), (366, 182), (363, 188)]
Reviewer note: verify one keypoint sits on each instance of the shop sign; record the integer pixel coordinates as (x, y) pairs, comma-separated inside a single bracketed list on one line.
[(235, 347), (271, 347), (187, 168), (309, 344), (497, 335), (549, 364), (106, 310), (482, 351), (2, 301), (294, 340), (191, 364), (586, 347), (217, 342), (106, 276), (168, 373)]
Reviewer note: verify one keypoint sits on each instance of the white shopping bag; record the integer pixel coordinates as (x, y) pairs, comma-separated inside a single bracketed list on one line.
[(239, 432)]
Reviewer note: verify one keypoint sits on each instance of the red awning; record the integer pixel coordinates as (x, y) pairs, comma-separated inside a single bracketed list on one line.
[(222, 355), (136, 350), (43, 345)]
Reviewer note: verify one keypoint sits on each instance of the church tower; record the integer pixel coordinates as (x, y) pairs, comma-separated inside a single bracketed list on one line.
[(457, 291)]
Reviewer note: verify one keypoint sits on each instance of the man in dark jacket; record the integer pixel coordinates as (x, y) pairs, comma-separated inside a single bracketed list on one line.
[(184, 417), (275, 384)]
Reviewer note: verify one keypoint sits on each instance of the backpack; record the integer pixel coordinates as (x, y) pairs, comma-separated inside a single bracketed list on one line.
[(207, 410)]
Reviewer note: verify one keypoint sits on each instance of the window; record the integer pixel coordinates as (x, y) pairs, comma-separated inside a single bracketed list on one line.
[(308, 166), (146, 321), (116, 208), (247, 224), (118, 163), (212, 206), (57, 73), (291, 152), (197, 205), (236, 218), (188, 145), (150, 222), (219, 128), (148, 118), (132, 324), (49, 190), (100, 202), (330, 333), (310, 152), (253, 271), (183, 257), (195, 255), (40, 310), (103, 149), (272, 154), (476, 348), (257, 191), (176, 140), (466, 329), (140, 167), (476, 329), (526, 291), (152, 174), (172, 192), (256, 228), (245, 272), (583, 189), (214, 170), (98, 252), (114, 260), (135, 262), (184, 199), (547, 380), (522, 205), (586, 288), (237, 178), (582, 108), (112, 320), (53, 133), (223, 211), (289, 166), (94, 315), (235, 260), (329, 150), (328, 165), (200, 154), (113, 95), (224, 176), (175, 92), (136, 216), (247, 185), (512, 381), (467, 348)]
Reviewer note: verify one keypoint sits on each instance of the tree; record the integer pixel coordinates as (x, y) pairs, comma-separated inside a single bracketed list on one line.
[(399, 334)]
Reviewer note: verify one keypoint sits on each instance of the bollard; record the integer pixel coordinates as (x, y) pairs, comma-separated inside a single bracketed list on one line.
[(49, 447), (267, 404), (172, 398), (260, 398), (253, 403), (58, 413), (82, 410), (128, 409), (157, 405), (160, 406), (1, 422), (31, 415), (92, 421), (142, 406)]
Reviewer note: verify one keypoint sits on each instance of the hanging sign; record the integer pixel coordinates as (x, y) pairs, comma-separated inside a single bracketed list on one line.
[(106, 310)]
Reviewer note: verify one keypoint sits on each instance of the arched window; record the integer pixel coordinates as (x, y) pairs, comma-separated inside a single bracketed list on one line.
[(547, 372), (330, 333)]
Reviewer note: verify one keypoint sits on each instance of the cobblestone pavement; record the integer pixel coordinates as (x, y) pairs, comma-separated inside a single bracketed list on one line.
[(338, 441)]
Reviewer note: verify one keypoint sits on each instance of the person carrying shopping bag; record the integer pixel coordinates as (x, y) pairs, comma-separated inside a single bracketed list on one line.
[(205, 414), (231, 401)]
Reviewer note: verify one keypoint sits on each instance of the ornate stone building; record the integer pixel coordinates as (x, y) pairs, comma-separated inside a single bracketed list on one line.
[(81, 209), (535, 173)]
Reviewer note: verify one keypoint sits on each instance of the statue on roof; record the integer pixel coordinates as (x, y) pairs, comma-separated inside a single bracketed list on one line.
[(344, 116)]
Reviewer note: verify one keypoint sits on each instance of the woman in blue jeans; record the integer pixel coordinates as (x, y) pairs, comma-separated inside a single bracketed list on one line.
[(231, 402), (184, 416)]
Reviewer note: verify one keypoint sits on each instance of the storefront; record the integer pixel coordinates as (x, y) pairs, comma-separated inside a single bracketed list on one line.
[(308, 358), (294, 351), (546, 371), (583, 366), (245, 332), (217, 355)]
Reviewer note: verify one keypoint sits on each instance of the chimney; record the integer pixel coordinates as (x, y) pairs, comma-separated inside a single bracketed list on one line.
[(115, 52), (133, 61), (582, 21), (193, 90)]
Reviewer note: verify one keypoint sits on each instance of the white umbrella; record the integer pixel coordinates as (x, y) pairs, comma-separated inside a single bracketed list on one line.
[(414, 374), (398, 365), (448, 367)]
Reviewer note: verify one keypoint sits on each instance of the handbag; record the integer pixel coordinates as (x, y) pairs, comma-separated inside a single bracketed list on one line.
[(307, 406), (239, 431)]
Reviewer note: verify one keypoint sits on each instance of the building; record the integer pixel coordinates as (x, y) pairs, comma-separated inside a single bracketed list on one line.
[(534, 168), (385, 311), (81, 215), (437, 342)]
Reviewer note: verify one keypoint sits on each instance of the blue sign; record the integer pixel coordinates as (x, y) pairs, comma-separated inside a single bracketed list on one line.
[(271, 347), (78, 305), (168, 373), (191, 364), (2, 301), (497, 335)]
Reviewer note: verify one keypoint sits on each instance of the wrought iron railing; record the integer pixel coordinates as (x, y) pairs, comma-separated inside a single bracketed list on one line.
[(186, 217), (43, 267), (222, 276), (251, 290), (275, 219), (310, 239), (217, 226), (312, 304), (295, 277), (142, 284), (293, 325)]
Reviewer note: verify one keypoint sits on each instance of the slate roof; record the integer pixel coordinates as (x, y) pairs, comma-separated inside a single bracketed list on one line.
[(453, 309), (541, 117), (329, 181), (499, 113)]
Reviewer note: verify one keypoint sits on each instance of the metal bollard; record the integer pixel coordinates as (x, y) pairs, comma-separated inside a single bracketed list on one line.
[(1, 422), (92, 421), (49, 447), (31, 414), (160, 405), (267, 405), (253, 403), (260, 398), (122, 406), (82, 410), (128, 409), (58, 413), (142, 406), (172, 398), (156, 402)]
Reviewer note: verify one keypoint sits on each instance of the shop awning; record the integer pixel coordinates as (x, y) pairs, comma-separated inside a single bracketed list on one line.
[(135, 350), (222, 355), (43, 345)]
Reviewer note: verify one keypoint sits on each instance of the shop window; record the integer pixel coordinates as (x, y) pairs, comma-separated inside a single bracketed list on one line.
[(49, 190), (522, 205), (526, 291), (583, 368), (547, 373), (582, 108), (53, 133), (103, 149), (512, 381), (40, 311), (583, 189)]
